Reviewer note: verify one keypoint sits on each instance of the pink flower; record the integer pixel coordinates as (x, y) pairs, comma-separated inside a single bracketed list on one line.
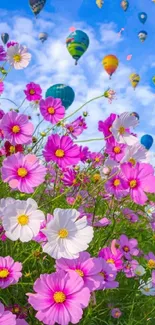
[(1, 113), (128, 247), (97, 158), (20, 312), (23, 172), (33, 92), (9, 271), (153, 278), (108, 276), (84, 153), (115, 150), (130, 267), (61, 150), (110, 258), (52, 109), (16, 128), (116, 185), (105, 127), (140, 179), (41, 238), (1, 87), (130, 215), (70, 200), (116, 313), (21, 321), (151, 260), (76, 127), (59, 298), (85, 266), (12, 43), (2, 53), (69, 178), (6, 317)]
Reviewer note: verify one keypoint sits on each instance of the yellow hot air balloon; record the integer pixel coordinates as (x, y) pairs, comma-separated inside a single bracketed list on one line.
[(99, 3), (134, 79), (110, 63)]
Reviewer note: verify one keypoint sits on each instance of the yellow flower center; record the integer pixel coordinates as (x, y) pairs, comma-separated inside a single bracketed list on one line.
[(147, 289), (23, 219), (121, 130), (12, 149), (71, 129), (96, 177), (117, 149), (32, 91), (97, 159), (117, 182), (16, 310), (79, 197), (117, 314), (133, 183), (132, 161), (126, 249), (151, 264), (51, 110), (63, 233), (22, 172), (15, 129), (59, 153), (138, 273), (110, 261), (4, 273), (102, 274), (59, 297), (17, 58), (79, 272)]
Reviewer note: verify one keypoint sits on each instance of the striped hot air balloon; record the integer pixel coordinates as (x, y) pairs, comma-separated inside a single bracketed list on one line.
[(134, 79), (37, 6), (110, 63), (77, 43)]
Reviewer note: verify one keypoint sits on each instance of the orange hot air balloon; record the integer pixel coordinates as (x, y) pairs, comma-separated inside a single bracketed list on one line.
[(110, 63)]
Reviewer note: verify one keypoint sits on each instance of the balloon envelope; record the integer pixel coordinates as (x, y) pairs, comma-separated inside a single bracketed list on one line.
[(125, 5), (4, 37), (77, 43), (37, 6), (43, 37), (142, 35), (153, 79), (142, 17), (135, 114), (110, 63), (147, 141), (65, 93), (134, 79)]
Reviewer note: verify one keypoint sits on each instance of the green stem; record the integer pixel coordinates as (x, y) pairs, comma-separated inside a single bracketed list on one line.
[(9, 101), (22, 103), (89, 140)]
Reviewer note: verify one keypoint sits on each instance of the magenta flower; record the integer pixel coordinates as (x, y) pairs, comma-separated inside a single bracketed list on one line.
[(85, 266), (16, 128), (41, 238), (130, 215), (52, 109), (105, 127), (33, 92), (59, 298), (21, 321), (116, 313), (110, 258), (61, 150), (108, 275), (2, 53), (76, 127), (115, 150), (12, 43), (69, 178), (116, 185), (151, 260), (128, 247), (97, 158), (1, 87), (23, 172), (130, 267), (10, 271), (6, 317), (84, 153), (1, 113), (140, 179)]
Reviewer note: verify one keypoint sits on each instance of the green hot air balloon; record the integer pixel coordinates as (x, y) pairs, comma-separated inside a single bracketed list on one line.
[(37, 6), (153, 79), (4, 37), (65, 93), (77, 43)]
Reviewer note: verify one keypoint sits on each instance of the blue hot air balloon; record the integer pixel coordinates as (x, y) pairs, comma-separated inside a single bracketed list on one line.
[(65, 93), (142, 35), (147, 141), (77, 43), (4, 38), (142, 17)]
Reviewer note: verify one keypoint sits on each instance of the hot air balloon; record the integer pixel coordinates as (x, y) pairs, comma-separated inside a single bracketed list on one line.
[(65, 93), (153, 79), (4, 37), (99, 3), (134, 79), (110, 63), (147, 141), (142, 35), (43, 37), (135, 114), (142, 17), (37, 6), (77, 43), (125, 5)]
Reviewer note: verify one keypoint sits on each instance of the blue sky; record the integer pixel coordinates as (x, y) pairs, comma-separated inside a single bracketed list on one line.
[(51, 62)]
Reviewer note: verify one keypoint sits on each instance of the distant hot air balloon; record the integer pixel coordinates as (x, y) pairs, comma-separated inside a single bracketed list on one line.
[(142, 17), (153, 79), (65, 93), (142, 35), (134, 79), (135, 114), (99, 3), (125, 5), (147, 141), (4, 37), (37, 6), (77, 43), (43, 37), (110, 63)]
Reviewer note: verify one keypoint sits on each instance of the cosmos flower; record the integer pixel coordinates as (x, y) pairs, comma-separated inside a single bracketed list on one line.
[(1, 87), (16, 128), (61, 150), (116, 313), (96, 158), (140, 271), (10, 271), (23, 172), (149, 210), (33, 92), (9, 149), (52, 109), (84, 153), (128, 247), (2, 53), (130, 215), (59, 298), (69, 178), (116, 184), (12, 43), (1, 113), (20, 312), (147, 288), (108, 275), (105, 127), (135, 153), (130, 267), (18, 56), (120, 128), (67, 235), (6, 317), (115, 150), (109, 257), (151, 260), (41, 238), (21, 321), (76, 127), (22, 220)]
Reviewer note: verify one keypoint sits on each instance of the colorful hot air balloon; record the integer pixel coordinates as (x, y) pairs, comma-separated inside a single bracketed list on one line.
[(153, 80), (142, 17), (142, 35), (4, 37), (99, 3), (147, 141), (125, 5), (135, 114), (37, 6), (110, 63), (134, 79), (43, 37), (77, 43), (65, 93)]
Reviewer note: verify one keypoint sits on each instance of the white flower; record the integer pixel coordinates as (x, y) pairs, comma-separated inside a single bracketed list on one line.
[(22, 219), (140, 270), (18, 56), (118, 129), (147, 288), (136, 153), (66, 235), (149, 209), (4, 203)]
